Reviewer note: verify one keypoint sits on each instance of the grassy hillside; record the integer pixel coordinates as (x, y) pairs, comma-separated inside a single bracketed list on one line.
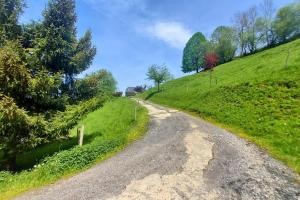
[(257, 97), (107, 131)]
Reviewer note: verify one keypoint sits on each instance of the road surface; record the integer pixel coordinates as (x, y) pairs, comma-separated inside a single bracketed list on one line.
[(180, 157)]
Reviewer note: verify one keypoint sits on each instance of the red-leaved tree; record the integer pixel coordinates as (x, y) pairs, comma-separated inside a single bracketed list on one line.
[(211, 60)]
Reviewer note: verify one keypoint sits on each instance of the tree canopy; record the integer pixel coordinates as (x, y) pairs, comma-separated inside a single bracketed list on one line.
[(58, 49), (223, 38), (193, 53), (38, 65), (158, 74), (100, 83), (10, 10), (287, 22), (257, 27)]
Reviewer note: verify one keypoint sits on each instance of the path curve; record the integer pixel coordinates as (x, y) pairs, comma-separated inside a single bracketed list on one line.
[(180, 157)]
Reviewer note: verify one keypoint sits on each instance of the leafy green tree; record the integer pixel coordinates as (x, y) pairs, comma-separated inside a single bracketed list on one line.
[(44, 92), (10, 10), (34, 90), (287, 22), (249, 29), (108, 84), (100, 83), (58, 48), (14, 74), (18, 131), (224, 40), (194, 52), (30, 33), (83, 55), (158, 74)]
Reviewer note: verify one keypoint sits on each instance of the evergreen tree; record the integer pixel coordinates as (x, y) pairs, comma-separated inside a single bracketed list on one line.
[(30, 33), (10, 10), (58, 48)]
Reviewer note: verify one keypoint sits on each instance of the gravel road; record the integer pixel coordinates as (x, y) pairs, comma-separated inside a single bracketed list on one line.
[(180, 157)]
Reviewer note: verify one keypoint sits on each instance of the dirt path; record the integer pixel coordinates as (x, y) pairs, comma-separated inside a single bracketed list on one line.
[(180, 157)]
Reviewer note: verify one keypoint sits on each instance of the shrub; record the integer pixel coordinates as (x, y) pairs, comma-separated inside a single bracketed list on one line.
[(21, 132), (99, 83), (116, 129), (64, 121), (18, 130)]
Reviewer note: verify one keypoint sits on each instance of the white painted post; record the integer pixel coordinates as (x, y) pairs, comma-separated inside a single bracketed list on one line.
[(80, 132)]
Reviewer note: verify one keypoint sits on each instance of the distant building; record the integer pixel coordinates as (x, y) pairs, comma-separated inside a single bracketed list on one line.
[(130, 91)]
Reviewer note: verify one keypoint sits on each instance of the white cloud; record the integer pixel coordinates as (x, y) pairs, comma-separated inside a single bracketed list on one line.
[(173, 33)]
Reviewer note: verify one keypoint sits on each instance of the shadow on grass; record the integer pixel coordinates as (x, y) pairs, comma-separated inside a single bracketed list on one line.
[(151, 95), (28, 159)]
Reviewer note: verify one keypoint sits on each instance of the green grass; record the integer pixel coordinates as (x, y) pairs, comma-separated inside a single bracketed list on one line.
[(69, 118), (107, 131), (257, 97)]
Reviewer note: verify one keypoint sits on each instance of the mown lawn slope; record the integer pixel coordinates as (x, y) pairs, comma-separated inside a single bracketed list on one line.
[(107, 130), (257, 97)]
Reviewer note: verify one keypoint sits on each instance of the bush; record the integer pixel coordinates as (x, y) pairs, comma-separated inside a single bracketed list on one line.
[(115, 127), (18, 130), (64, 121), (99, 83), (21, 132)]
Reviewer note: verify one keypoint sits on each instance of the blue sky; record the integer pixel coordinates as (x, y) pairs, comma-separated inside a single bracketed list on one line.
[(130, 35)]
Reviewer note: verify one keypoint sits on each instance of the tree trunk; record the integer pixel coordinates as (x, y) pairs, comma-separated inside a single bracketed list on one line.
[(157, 87), (197, 70), (11, 162)]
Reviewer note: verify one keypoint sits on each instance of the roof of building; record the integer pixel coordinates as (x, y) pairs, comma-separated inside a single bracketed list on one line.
[(131, 89)]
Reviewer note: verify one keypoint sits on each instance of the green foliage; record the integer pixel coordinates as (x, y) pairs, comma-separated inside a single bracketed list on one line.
[(44, 92), (18, 131), (112, 128), (34, 58), (256, 96), (287, 21), (194, 52), (14, 75), (30, 33), (84, 53), (158, 74), (35, 90), (51, 133), (63, 122), (100, 83), (58, 48), (268, 11), (224, 40), (10, 11)]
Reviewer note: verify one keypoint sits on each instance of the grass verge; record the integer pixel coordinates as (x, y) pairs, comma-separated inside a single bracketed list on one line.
[(109, 130), (257, 97)]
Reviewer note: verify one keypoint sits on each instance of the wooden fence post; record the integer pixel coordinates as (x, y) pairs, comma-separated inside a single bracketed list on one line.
[(135, 109), (210, 77), (80, 132), (287, 58)]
